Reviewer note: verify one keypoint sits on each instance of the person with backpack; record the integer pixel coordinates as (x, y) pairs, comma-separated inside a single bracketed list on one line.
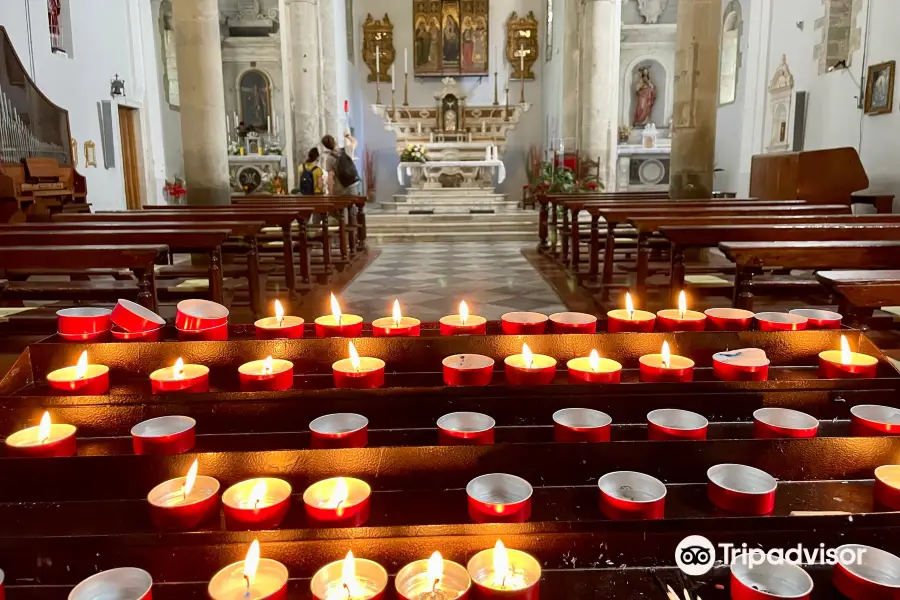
[(344, 178), (311, 175)]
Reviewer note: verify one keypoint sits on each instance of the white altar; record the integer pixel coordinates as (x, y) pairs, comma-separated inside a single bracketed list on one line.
[(247, 172), (641, 169), (477, 174)]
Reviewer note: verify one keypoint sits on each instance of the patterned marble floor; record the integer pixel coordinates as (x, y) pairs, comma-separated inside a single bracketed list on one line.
[(431, 278)]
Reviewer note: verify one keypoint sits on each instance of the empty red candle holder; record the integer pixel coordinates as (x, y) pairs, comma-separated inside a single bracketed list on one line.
[(132, 317), (577, 425), (741, 489), (468, 370), (82, 320), (748, 364), (171, 509), (866, 573), (887, 486), (499, 498), (523, 323), (626, 495), (85, 337), (257, 503), (123, 583), (728, 319), (770, 580), (337, 502), (667, 424), (465, 429), (339, 430), (769, 423), (219, 333), (152, 335), (868, 420), (819, 319), (171, 434), (573, 322), (777, 321), (199, 315)]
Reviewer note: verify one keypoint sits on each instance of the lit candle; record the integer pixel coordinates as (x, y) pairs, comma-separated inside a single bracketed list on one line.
[(593, 369), (628, 320), (747, 364), (338, 324), (405, 61), (666, 367), (337, 502), (184, 502), (253, 578), (82, 379), (396, 325), (681, 319), (468, 369), (267, 375), (180, 378), (358, 372), (844, 364), (43, 441), (503, 573), (523, 323), (350, 579), (528, 368), (279, 326), (463, 323), (257, 503), (432, 579)]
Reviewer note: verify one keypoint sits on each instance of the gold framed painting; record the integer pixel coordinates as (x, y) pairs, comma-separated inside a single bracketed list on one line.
[(880, 88), (451, 37)]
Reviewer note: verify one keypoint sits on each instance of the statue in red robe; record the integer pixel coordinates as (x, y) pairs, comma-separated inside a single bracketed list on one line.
[(645, 92)]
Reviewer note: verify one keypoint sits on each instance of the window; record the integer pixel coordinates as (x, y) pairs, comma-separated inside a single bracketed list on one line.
[(731, 53), (60, 21)]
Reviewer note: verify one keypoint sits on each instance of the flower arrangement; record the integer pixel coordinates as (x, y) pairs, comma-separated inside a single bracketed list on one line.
[(414, 153), (174, 190), (274, 148), (274, 183), (234, 148)]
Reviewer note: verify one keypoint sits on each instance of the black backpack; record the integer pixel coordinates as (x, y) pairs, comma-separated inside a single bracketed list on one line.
[(307, 182), (345, 169)]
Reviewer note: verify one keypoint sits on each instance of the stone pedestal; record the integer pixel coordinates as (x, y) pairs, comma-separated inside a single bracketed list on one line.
[(203, 136), (696, 98)]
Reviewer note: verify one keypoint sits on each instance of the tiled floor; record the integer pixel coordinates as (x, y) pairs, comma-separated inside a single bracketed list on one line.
[(430, 279)]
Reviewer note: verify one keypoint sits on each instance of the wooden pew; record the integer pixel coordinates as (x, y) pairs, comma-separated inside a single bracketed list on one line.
[(140, 259), (861, 292), (753, 256), (702, 235)]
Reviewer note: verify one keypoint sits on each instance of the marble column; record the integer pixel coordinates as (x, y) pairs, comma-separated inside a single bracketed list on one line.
[(601, 32), (204, 141), (696, 98), (300, 24)]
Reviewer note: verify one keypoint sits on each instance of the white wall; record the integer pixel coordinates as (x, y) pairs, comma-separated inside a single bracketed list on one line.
[(103, 35), (729, 117)]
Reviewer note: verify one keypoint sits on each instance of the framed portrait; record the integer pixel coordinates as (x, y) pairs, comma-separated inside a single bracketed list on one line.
[(880, 88)]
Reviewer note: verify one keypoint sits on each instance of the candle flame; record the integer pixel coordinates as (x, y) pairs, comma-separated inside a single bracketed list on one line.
[(191, 478), (267, 366), (354, 356), (44, 428), (629, 306), (435, 569), (501, 564), (340, 493), (348, 576), (397, 314), (846, 354), (258, 493), (666, 355), (81, 367), (682, 303), (463, 312), (335, 309), (178, 369), (279, 313), (527, 356), (251, 563), (594, 361)]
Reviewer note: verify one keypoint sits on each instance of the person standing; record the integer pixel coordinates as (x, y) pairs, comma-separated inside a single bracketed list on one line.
[(311, 175), (342, 173)]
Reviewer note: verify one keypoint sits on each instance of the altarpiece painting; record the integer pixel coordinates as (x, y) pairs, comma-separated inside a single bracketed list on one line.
[(451, 37)]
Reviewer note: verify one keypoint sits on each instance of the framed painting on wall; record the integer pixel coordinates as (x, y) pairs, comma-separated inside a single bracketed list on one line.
[(450, 38), (880, 88)]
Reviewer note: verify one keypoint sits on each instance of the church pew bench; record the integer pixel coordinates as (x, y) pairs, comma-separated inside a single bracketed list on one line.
[(140, 259), (861, 292), (750, 257)]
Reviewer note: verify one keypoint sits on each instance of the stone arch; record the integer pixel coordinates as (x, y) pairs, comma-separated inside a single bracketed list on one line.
[(254, 98), (730, 53), (661, 79)]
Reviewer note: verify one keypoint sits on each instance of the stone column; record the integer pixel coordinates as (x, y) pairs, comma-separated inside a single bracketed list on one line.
[(303, 73), (696, 98), (601, 32), (199, 49)]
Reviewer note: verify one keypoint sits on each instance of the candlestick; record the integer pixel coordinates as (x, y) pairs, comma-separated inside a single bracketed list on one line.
[(496, 86), (279, 326), (468, 369), (506, 106), (43, 441), (253, 578), (393, 105), (184, 502), (666, 367), (378, 75), (466, 429), (337, 502), (499, 498), (338, 324), (505, 573), (180, 378), (741, 489), (522, 71), (432, 579), (124, 583), (626, 495), (396, 325), (351, 578), (405, 61), (358, 372), (257, 503), (463, 323), (593, 369), (747, 364), (82, 379), (577, 425), (630, 320), (844, 364), (172, 434), (681, 319), (406, 89), (528, 368), (267, 375)]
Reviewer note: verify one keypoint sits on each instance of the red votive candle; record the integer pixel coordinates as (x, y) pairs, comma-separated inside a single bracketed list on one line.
[(338, 324), (666, 367), (43, 441), (499, 498), (184, 502), (887, 486), (768, 580), (257, 503), (463, 323), (741, 489), (530, 369), (666, 424), (268, 375), (770, 423), (172, 434), (83, 379), (252, 578), (869, 420), (279, 326), (337, 502), (180, 378), (819, 319), (593, 369), (352, 577), (628, 320), (573, 322), (505, 574), (844, 364), (577, 425), (728, 319), (339, 430), (626, 495), (396, 325), (523, 323), (358, 373), (748, 364), (433, 578), (866, 573), (465, 429), (124, 583), (680, 319), (777, 321), (468, 369)]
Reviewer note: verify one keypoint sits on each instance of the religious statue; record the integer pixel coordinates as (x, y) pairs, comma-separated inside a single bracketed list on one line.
[(651, 10), (645, 98)]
